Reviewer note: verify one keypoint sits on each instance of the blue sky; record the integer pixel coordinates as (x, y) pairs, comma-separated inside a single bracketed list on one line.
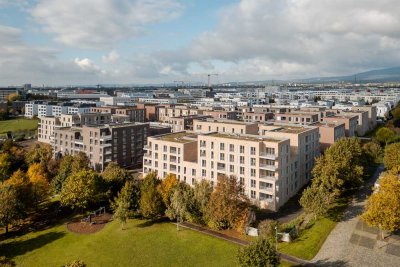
[(58, 42)]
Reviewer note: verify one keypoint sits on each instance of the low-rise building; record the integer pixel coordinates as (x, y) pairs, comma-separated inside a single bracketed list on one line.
[(350, 122), (329, 133), (224, 126)]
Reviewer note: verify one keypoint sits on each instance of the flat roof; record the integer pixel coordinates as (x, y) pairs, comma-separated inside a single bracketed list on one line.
[(181, 137), (228, 122), (328, 124), (294, 129), (247, 137)]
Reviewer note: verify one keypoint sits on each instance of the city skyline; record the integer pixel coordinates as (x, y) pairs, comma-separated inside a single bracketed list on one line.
[(91, 42)]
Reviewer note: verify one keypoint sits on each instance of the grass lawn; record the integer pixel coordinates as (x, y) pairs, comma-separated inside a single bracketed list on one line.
[(308, 244), (141, 244), (19, 124)]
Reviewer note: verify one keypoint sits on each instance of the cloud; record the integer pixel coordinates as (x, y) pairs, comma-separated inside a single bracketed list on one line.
[(100, 23), (112, 57), (264, 39)]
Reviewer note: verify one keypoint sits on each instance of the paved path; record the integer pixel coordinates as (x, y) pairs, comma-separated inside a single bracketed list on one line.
[(237, 241), (352, 243)]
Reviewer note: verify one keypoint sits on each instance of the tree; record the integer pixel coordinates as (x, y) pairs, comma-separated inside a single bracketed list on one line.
[(76, 263), (11, 208), (40, 185), (80, 162), (383, 207), (80, 189), (40, 154), (115, 177), (316, 200), (260, 252), (5, 166), (151, 204), (127, 201), (228, 205), (392, 156), (266, 229), (166, 188), (202, 195), (14, 97), (373, 151), (63, 172), (181, 204), (384, 135), (4, 262)]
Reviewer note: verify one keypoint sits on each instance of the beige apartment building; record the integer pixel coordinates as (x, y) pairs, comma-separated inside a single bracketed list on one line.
[(169, 111), (221, 114), (257, 116), (184, 123), (297, 117), (350, 123), (304, 148), (224, 126), (371, 110), (122, 143), (329, 133), (46, 128), (133, 113)]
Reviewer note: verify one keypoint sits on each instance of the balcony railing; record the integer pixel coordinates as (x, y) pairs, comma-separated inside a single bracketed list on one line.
[(105, 137), (221, 168), (269, 178), (268, 155), (268, 167)]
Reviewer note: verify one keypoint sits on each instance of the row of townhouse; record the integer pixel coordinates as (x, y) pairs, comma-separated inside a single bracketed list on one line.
[(272, 162)]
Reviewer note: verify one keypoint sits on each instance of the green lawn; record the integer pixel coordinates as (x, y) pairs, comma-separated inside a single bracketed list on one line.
[(140, 244), (309, 243), (20, 124)]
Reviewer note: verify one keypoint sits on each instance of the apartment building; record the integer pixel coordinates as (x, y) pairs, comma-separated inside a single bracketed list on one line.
[(184, 123), (260, 163), (304, 148), (329, 133), (121, 143), (134, 114), (257, 116), (170, 111), (224, 126), (221, 114), (350, 122), (46, 128), (297, 117), (151, 111), (372, 114)]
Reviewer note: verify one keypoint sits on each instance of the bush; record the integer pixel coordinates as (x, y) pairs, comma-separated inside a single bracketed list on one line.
[(76, 263), (4, 262), (260, 252), (266, 229)]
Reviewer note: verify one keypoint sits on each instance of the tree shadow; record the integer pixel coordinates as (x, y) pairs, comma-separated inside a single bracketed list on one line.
[(149, 223), (327, 263), (17, 248)]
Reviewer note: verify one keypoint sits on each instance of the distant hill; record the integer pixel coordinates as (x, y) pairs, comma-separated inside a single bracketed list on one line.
[(381, 75)]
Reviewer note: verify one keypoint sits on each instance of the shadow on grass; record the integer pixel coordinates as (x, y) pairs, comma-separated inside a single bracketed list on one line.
[(17, 248), (327, 263), (149, 223)]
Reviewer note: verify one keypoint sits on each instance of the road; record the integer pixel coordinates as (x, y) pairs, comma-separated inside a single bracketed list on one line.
[(353, 243)]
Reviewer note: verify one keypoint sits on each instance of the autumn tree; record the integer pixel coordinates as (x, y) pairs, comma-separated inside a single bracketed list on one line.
[(151, 203), (5, 166), (384, 135), (38, 179), (14, 97), (260, 252), (228, 206), (80, 189), (373, 152), (115, 177), (181, 204), (391, 158), (202, 194), (40, 154), (166, 188), (383, 207), (266, 229), (11, 208), (316, 200), (64, 171), (80, 162)]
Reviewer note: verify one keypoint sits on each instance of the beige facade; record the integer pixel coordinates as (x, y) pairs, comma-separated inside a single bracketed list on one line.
[(257, 116), (304, 148), (184, 123), (297, 117), (224, 126), (350, 122), (46, 128), (122, 143), (329, 133), (371, 110), (220, 114), (170, 111)]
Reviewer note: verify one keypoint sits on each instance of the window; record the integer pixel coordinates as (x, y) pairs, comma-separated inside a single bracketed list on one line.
[(165, 149), (241, 149), (231, 148), (221, 156), (212, 145), (231, 158), (253, 162), (204, 173), (253, 194), (241, 170), (231, 168), (222, 146), (253, 172), (252, 150), (203, 163), (241, 159), (253, 183), (193, 172)]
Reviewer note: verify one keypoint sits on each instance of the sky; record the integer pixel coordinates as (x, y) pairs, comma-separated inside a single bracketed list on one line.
[(80, 42)]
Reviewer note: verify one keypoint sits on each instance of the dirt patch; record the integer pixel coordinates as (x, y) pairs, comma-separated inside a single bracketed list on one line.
[(80, 226)]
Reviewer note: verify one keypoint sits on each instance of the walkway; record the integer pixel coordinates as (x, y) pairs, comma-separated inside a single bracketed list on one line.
[(353, 244), (237, 241)]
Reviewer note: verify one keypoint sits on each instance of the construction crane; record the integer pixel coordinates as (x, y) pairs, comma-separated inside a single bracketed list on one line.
[(209, 78)]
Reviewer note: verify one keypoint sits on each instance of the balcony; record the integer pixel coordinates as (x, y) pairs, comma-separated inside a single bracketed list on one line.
[(147, 163), (268, 167), (106, 144), (268, 178), (221, 167), (79, 142), (266, 155), (105, 137), (146, 147), (147, 155), (172, 160), (108, 152)]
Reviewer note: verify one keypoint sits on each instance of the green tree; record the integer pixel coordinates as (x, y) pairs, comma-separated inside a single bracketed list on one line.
[(259, 253), (266, 229), (181, 203), (127, 202), (115, 177), (384, 135), (5, 166), (373, 151), (392, 156), (80, 189), (316, 200), (151, 203), (63, 172), (202, 195), (383, 207), (11, 208), (80, 162), (228, 205)]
